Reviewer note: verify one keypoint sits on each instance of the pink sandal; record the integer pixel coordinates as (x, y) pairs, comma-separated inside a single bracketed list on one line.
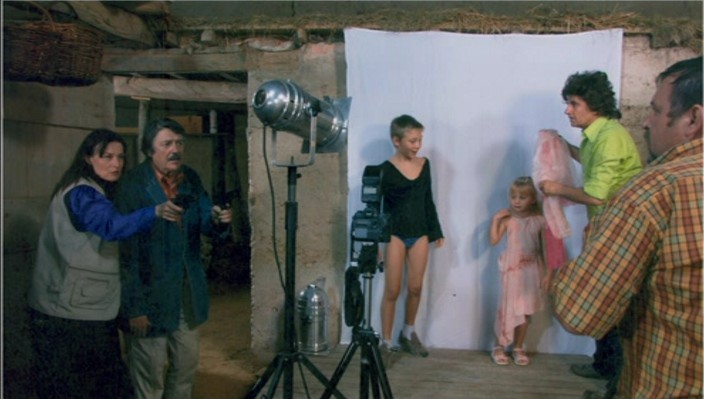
[(520, 358), (498, 355)]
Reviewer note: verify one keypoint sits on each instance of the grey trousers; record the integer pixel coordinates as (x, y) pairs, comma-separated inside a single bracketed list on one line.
[(164, 367)]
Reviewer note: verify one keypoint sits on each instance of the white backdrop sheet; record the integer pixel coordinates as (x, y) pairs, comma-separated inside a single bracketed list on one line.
[(482, 100)]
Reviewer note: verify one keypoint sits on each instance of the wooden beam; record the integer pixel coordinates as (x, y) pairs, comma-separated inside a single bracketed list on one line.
[(143, 7), (172, 61), (182, 90), (112, 20)]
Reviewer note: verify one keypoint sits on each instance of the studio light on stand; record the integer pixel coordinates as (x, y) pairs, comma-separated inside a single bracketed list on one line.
[(322, 124), (283, 106)]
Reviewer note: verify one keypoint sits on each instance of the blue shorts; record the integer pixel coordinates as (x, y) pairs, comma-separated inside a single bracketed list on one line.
[(408, 242)]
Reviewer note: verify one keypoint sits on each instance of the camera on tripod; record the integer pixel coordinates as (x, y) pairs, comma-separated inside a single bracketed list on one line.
[(370, 226)]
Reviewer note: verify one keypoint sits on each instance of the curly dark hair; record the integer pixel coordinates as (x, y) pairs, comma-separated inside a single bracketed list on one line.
[(596, 90)]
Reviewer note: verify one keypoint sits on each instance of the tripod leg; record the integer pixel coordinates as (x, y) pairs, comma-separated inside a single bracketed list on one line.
[(328, 384), (277, 375), (340, 370), (288, 378), (379, 371), (274, 366), (364, 378), (370, 371)]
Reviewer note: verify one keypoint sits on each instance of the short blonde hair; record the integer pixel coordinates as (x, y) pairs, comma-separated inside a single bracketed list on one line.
[(401, 124)]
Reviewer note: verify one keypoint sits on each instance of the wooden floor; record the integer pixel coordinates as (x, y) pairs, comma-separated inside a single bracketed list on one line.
[(445, 374), (227, 368)]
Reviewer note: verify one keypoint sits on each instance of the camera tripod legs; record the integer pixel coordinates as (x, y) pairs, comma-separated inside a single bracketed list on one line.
[(283, 364), (284, 361), (372, 371)]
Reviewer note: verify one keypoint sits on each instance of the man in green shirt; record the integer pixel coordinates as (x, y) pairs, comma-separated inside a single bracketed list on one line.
[(609, 158)]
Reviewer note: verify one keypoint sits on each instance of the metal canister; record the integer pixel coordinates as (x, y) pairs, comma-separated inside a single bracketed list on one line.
[(312, 326)]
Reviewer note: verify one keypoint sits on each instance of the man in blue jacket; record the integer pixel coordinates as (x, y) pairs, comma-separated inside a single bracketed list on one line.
[(164, 288)]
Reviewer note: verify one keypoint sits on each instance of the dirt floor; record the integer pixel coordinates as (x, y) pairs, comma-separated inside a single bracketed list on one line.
[(227, 366)]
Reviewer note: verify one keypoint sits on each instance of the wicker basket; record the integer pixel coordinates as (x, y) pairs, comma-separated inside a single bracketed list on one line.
[(77, 58), (27, 52), (57, 54)]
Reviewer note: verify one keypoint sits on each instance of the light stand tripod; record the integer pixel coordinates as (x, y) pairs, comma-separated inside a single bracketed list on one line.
[(285, 359), (372, 371)]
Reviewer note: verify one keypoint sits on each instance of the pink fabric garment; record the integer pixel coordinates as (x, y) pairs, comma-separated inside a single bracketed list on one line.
[(520, 276), (552, 161), (554, 250)]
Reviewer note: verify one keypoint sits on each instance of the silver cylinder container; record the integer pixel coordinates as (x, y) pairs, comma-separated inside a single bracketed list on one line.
[(312, 320)]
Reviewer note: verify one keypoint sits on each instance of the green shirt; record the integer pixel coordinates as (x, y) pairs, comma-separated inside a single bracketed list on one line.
[(609, 158)]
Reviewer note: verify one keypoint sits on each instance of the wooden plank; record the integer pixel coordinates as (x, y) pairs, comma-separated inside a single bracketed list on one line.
[(454, 374), (170, 61), (183, 90), (143, 7)]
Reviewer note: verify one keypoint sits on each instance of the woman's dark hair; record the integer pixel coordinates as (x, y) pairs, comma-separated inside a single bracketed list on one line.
[(596, 90), (95, 143), (153, 128), (686, 86)]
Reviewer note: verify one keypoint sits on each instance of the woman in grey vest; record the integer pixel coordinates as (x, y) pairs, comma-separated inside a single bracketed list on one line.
[(75, 291)]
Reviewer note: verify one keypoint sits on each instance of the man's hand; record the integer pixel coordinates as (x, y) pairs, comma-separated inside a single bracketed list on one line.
[(220, 215), (549, 187), (139, 326), (169, 211)]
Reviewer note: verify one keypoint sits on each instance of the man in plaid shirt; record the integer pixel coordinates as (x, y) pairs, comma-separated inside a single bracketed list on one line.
[(642, 267)]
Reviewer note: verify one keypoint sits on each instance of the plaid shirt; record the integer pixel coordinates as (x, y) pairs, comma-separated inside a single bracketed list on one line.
[(642, 270)]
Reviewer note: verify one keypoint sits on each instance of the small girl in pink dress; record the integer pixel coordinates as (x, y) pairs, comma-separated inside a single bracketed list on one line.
[(521, 266)]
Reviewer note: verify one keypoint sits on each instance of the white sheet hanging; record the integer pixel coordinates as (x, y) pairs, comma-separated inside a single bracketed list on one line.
[(482, 99)]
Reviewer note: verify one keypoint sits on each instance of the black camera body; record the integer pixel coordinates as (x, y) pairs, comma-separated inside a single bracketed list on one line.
[(371, 224), (183, 200)]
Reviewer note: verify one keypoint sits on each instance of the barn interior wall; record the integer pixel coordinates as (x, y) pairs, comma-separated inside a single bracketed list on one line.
[(320, 194), (42, 127)]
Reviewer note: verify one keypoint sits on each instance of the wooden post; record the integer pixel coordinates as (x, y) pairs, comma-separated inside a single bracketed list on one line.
[(142, 119)]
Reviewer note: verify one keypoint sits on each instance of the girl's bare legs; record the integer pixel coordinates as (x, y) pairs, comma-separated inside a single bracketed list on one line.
[(519, 334), (498, 353), (393, 273), (417, 263)]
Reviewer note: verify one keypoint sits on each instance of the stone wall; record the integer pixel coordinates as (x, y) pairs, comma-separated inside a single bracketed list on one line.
[(321, 195), (641, 65), (42, 129)]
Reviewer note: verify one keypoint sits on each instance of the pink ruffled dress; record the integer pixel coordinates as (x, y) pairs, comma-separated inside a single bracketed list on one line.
[(520, 276), (552, 161)]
